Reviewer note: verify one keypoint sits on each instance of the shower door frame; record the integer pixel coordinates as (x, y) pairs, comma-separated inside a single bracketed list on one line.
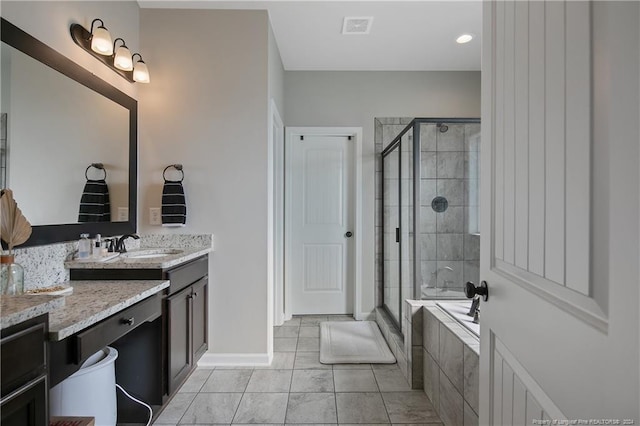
[(417, 177), (396, 143)]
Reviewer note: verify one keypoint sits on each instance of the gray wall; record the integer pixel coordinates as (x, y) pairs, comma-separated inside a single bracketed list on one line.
[(207, 109), (353, 98)]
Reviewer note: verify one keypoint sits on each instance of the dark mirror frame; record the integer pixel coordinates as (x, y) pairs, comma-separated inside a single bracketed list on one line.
[(49, 234)]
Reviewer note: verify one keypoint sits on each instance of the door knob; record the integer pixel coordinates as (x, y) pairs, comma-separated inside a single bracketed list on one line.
[(470, 290), (349, 234)]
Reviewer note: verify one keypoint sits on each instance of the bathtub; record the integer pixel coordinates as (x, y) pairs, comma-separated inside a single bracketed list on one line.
[(458, 311)]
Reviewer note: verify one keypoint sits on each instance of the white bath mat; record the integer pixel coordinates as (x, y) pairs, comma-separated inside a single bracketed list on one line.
[(353, 342)]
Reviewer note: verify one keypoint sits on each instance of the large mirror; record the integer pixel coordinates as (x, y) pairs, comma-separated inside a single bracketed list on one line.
[(61, 128)]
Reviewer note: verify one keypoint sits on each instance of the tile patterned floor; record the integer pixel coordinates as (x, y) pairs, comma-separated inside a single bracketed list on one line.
[(296, 389)]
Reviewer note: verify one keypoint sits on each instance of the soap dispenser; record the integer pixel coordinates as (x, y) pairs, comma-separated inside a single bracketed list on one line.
[(97, 246), (84, 247)]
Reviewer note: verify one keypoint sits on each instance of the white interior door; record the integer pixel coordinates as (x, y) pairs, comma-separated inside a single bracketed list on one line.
[(321, 204), (560, 157)]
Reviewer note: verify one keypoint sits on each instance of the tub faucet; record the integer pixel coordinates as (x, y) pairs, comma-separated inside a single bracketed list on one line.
[(433, 281), (120, 247), (475, 304), (446, 284)]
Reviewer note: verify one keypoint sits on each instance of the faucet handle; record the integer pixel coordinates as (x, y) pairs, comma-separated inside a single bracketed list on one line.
[(109, 244)]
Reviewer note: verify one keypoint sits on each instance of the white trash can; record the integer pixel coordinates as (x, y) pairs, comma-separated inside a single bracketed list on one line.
[(90, 391)]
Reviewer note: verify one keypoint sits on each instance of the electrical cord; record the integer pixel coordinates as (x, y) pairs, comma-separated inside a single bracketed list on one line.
[(138, 401)]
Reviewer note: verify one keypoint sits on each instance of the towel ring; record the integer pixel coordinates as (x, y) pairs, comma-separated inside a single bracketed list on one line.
[(98, 166), (178, 167)]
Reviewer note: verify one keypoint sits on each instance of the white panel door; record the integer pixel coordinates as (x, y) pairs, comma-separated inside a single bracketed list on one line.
[(320, 171), (560, 212)]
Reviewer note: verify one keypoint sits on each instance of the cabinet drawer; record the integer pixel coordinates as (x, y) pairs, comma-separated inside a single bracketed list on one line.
[(23, 355), (116, 326), (185, 275)]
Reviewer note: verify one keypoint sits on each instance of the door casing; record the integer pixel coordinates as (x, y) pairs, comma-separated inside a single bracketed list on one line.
[(293, 133), (275, 238)]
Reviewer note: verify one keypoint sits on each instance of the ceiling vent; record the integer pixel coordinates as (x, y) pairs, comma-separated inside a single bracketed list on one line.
[(353, 25)]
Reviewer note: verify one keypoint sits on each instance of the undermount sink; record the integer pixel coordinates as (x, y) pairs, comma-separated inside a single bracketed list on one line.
[(151, 253)]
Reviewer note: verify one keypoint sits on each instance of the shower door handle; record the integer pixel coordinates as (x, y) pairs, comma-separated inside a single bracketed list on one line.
[(397, 235)]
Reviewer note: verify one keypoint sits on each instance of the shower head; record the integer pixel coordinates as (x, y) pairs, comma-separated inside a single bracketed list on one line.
[(443, 127)]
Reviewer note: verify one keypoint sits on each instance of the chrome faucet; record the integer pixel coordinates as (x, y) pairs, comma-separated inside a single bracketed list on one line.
[(120, 247)]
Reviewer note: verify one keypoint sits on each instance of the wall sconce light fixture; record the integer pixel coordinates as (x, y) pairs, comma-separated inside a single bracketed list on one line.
[(140, 70), (98, 43), (101, 39), (122, 59)]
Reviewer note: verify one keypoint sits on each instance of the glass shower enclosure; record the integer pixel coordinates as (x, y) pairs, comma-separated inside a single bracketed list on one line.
[(430, 228)]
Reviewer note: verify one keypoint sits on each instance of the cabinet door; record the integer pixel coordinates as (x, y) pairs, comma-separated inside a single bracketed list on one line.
[(26, 406), (199, 329), (23, 355), (179, 342)]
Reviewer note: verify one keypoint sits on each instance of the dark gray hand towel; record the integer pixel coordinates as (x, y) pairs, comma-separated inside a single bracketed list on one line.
[(174, 205), (94, 203)]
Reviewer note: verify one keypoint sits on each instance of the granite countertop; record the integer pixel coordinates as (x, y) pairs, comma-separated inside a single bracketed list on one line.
[(124, 262), (93, 301), (17, 309)]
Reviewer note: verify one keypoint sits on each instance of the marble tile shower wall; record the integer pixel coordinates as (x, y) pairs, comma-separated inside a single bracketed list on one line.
[(449, 239), (449, 168), (44, 265)]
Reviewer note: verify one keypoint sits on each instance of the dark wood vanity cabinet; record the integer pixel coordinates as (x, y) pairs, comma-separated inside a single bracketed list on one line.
[(186, 308), (200, 322), (179, 359), (24, 374), (184, 314)]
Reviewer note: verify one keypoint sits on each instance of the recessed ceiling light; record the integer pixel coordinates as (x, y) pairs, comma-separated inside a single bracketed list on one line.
[(464, 38)]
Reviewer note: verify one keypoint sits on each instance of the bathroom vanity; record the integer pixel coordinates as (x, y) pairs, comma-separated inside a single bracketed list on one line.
[(183, 327), (152, 310)]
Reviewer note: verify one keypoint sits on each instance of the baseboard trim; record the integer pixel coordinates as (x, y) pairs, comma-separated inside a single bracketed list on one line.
[(366, 316), (240, 360)]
